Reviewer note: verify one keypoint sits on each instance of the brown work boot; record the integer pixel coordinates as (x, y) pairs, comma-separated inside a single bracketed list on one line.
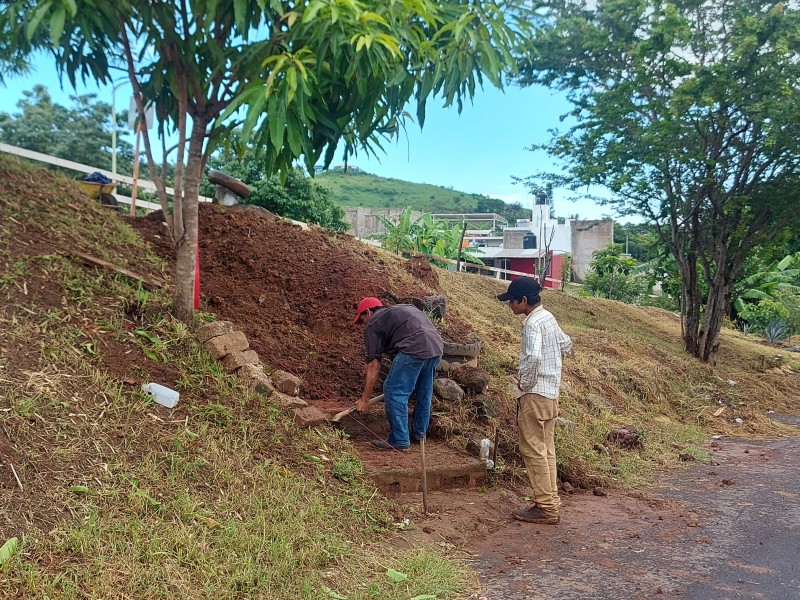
[(384, 445), (536, 515)]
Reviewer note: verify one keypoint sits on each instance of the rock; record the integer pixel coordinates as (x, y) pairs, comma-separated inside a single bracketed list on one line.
[(686, 457), (473, 380), (212, 330), (308, 416), (443, 367), (624, 437), (223, 345), (600, 449), (562, 422), (567, 487), (286, 402), (254, 377), (448, 390), (598, 491), (598, 403), (236, 360), (286, 382)]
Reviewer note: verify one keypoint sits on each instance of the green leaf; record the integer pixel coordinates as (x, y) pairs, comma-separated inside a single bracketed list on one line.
[(424, 597), (8, 550), (332, 594), (240, 12), (79, 489), (37, 18), (396, 576), (57, 20)]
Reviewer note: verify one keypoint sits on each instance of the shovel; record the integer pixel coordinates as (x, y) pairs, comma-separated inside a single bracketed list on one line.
[(349, 411)]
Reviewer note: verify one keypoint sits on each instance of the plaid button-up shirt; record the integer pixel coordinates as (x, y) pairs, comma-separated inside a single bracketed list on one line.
[(543, 346)]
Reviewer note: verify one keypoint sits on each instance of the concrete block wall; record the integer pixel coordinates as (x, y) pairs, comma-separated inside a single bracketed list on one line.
[(588, 236)]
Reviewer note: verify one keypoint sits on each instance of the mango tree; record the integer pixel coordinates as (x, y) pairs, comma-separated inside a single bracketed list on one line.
[(299, 78)]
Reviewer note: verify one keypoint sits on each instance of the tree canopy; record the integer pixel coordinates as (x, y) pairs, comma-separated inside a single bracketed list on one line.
[(299, 78), (688, 113), (81, 132)]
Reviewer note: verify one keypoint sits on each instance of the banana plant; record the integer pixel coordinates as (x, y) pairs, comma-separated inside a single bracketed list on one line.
[(778, 277)]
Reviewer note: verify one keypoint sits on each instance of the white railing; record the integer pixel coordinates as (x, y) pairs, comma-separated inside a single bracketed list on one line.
[(81, 168)]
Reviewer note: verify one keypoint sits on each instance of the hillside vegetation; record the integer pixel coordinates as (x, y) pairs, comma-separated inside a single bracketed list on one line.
[(113, 497), (371, 191)]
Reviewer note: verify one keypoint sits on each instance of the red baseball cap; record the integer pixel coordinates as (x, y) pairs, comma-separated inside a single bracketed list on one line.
[(366, 304)]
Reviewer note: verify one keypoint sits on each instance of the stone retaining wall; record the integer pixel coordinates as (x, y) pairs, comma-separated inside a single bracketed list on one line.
[(230, 346)]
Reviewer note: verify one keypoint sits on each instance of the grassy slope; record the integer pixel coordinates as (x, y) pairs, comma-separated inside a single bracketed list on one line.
[(220, 498), (629, 369)]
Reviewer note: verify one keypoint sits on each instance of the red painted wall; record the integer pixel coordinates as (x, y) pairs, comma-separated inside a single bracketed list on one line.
[(528, 265)]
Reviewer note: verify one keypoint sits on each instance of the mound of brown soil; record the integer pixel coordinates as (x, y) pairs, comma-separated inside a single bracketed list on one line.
[(294, 292)]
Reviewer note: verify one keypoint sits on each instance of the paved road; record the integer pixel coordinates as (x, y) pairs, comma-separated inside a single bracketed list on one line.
[(729, 530)]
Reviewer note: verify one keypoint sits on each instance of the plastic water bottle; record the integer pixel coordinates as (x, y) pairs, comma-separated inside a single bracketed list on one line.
[(485, 449), (161, 394)]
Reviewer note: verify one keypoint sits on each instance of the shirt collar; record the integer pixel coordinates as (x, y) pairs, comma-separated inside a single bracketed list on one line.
[(533, 312)]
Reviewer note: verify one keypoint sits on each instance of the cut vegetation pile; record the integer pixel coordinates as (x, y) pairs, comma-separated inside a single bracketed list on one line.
[(115, 497)]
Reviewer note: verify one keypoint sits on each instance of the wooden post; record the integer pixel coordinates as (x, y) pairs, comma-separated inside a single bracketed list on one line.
[(135, 169), (460, 244), (424, 476)]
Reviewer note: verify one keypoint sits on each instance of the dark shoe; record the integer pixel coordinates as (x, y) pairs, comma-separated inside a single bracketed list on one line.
[(384, 445), (535, 515)]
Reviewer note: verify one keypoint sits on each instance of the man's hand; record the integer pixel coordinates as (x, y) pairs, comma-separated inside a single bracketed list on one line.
[(362, 405)]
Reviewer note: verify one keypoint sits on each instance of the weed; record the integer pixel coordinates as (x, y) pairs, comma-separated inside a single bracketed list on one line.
[(347, 468)]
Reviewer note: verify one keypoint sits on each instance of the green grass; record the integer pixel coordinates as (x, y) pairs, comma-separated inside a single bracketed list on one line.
[(220, 498)]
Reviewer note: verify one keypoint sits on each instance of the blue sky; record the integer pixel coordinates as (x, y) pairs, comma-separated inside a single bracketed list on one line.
[(477, 151)]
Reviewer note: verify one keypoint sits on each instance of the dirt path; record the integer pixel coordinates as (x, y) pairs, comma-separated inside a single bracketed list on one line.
[(726, 530)]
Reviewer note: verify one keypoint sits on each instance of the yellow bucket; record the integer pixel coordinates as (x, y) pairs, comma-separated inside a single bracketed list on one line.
[(93, 190)]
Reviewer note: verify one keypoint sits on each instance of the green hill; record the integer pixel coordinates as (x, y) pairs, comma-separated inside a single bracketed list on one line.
[(370, 191)]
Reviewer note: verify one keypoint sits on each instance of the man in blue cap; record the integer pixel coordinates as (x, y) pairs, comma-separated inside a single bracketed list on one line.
[(541, 352), (406, 332)]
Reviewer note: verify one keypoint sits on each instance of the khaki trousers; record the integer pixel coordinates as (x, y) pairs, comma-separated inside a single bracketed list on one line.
[(536, 421)]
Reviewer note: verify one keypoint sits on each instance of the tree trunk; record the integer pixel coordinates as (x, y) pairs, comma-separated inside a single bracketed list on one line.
[(186, 246), (691, 300), (715, 311)]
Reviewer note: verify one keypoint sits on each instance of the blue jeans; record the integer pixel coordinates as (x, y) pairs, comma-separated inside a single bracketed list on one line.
[(408, 375)]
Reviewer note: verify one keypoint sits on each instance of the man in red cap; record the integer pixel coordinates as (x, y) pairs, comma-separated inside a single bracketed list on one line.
[(407, 333), (540, 358)]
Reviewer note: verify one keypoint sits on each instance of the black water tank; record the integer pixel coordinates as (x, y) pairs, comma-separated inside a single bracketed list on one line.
[(529, 242)]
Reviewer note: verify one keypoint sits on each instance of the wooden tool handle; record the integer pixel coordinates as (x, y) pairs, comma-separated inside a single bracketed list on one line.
[(349, 411)]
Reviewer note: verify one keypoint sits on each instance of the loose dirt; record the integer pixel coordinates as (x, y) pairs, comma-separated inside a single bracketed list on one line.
[(294, 292), (721, 529)]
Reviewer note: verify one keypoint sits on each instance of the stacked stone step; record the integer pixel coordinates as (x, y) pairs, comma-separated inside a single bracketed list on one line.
[(230, 346)]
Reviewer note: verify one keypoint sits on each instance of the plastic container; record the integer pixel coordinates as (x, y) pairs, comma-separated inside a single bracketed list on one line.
[(486, 446), (162, 394)]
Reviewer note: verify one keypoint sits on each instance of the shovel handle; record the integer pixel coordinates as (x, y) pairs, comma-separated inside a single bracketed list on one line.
[(349, 411)]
